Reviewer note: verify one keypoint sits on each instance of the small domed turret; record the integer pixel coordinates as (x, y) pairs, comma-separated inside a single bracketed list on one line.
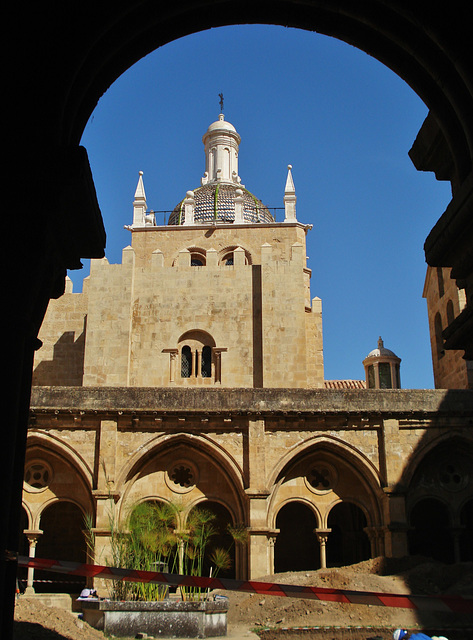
[(382, 368)]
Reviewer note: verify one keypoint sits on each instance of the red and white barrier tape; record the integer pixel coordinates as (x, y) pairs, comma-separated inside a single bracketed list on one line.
[(447, 603)]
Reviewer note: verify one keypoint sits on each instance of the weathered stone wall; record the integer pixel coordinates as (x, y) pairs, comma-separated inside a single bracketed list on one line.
[(60, 360), (451, 370)]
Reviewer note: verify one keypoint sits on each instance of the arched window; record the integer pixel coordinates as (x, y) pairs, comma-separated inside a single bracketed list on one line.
[(227, 257), (206, 364), (200, 358), (186, 362), (440, 281), (385, 381), (371, 377), (438, 336), (196, 255), (450, 312)]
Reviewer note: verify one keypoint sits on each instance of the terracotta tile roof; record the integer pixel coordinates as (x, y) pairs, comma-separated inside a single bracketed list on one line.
[(345, 384)]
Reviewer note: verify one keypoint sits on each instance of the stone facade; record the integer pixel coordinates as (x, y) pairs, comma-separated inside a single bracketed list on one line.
[(445, 302), (255, 314), (255, 452), (192, 373)]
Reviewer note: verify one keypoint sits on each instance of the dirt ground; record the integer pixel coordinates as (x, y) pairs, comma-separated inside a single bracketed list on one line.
[(278, 618)]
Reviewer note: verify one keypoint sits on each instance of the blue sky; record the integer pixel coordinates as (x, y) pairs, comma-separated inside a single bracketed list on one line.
[(343, 120)]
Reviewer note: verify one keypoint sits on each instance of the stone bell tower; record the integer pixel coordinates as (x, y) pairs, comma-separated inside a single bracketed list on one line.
[(220, 295)]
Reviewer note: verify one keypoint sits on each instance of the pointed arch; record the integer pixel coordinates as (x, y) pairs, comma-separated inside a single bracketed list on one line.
[(28, 513), (438, 483), (324, 470), (61, 521), (454, 438), (335, 445), (163, 442), (70, 478), (185, 467), (49, 442)]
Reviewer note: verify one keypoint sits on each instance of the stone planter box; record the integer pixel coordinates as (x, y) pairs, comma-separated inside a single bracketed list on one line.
[(166, 618)]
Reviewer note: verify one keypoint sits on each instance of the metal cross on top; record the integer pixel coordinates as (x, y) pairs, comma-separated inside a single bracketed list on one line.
[(220, 95)]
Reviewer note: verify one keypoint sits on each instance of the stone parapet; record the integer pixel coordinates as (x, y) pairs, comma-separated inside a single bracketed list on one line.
[(140, 400)]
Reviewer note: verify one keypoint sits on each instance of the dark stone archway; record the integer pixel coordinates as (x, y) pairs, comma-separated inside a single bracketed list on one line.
[(62, 526), (347, 542), (297, 547), (430, 534)]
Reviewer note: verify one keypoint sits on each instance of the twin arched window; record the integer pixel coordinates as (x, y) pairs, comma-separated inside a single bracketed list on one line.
[(196, 349), (196, 363)]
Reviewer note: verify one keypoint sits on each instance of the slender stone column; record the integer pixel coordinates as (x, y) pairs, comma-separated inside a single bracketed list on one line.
[(181, 546), (322, 537), (376, 374), (32, 537), (173, 353), (272, 543), (217, 351), (218, 366), (107, 457)]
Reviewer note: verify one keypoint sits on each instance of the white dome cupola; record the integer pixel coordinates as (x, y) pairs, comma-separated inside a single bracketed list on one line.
[(382, 368), (221, 143), (221, 198)]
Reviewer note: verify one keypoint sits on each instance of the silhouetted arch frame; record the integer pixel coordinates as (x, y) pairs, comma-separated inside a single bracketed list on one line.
[(412, 41)]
